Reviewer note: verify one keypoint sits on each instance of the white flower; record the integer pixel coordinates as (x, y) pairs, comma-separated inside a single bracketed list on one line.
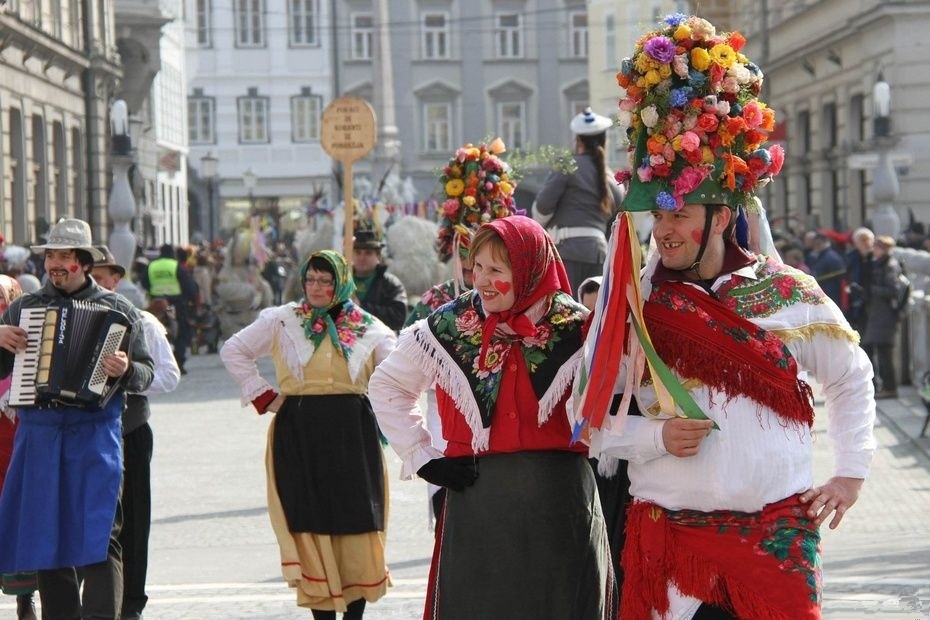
[(740, 72), (649, 116), (723, 108), (624, 119)]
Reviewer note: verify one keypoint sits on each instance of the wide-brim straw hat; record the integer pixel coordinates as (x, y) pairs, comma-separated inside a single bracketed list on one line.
[(70, 234)]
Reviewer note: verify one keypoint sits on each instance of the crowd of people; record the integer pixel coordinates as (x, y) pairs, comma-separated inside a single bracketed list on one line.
[(608, 435)]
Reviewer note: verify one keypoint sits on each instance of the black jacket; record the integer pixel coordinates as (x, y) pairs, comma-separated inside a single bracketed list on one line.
[(386, 299)]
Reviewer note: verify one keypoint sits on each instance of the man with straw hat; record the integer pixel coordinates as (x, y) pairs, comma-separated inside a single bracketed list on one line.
[(59, 512), (725, 517)]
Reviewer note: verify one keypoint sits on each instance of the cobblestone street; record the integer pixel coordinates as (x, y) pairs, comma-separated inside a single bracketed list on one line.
[(213, 554)]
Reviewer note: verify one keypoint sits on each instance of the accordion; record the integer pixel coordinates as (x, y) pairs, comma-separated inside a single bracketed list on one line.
[(62, 362)]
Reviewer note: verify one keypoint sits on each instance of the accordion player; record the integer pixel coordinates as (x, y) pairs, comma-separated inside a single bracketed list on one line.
[(62, 362)]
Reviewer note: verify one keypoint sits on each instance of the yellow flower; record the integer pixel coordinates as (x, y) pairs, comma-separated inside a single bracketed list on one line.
[(642, 63), (682, 32), (473, 153), (454, 187), (707, 155), (700, 59), (469, 201), (723, 55), (652, 77), (506, 188), (665, 71), (497, 146), (676, 142)]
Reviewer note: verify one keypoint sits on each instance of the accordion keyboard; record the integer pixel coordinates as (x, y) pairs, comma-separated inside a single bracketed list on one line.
[(26, 363)]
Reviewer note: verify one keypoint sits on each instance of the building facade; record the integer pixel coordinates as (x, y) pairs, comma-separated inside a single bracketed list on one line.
[(821, 61), (259, 74), (58, 72)]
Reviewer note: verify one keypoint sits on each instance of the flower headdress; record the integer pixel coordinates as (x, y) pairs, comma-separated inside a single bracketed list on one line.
[(696, 125), (477, 187)]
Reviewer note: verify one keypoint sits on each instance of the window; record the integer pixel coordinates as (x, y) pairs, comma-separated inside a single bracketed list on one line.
[(77, 173), (250, 23), (857, 118), (804, 130), (305, 117), (362, 35), (578, 35), (200, 120), (437, 127), (204, 25), (55, 16), (508, 35), (59, 172), (576, 107), (435, 36), (303, 14), (610, 43), (829, 126), (253, 118), (512, 121)]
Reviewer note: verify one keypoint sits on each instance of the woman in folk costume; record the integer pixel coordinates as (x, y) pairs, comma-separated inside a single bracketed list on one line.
[(485, 177), (725, 517), (327, 492), (21, 585), (521, 535)]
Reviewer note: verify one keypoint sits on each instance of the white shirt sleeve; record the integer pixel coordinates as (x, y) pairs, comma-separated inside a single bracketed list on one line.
[(395, 389), (845, 374), (167, 373), (240, 352)]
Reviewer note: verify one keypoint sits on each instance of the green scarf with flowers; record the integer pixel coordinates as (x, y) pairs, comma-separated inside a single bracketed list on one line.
[(318, 323)]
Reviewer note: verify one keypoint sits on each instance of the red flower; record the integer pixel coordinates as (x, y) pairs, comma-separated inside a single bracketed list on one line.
[(707, 122)]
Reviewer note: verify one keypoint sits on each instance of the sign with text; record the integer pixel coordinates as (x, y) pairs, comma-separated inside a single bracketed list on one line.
[(348, 129)]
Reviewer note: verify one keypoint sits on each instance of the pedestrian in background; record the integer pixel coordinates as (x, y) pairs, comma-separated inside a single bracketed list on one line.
[(378, 291), (859, 276), (829, 268), (521, 534), (327, 488), (577, 208), (138, 444), (167, 277), (883, 315)]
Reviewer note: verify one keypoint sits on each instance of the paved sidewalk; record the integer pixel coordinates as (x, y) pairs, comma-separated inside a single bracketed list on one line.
[(907, 414)]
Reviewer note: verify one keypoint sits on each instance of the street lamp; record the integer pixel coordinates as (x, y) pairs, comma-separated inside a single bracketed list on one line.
[(249, 180), (208, 169), (885, 188)]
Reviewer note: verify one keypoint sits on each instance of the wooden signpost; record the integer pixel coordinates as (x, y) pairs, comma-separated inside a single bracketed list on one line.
[(348, 133)]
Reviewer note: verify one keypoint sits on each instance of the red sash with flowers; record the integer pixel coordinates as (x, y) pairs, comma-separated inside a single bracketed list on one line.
[(701, 338), (764, 565)]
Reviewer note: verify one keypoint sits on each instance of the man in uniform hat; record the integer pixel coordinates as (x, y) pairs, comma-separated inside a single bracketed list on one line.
[(59, 512), (378, 291)]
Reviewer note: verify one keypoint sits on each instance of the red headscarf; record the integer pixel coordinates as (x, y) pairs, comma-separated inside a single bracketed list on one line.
[(537, 272)]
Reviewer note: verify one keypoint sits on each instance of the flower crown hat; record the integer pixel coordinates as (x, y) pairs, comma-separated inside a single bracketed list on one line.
[(477, 187), (696, 125)]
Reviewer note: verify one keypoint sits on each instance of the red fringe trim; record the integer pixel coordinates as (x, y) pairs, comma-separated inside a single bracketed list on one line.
[(693, 357), (653, 557)]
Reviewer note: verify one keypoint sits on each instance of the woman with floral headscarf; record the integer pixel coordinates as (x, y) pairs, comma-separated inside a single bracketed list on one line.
[(327, 491), (521, 534)]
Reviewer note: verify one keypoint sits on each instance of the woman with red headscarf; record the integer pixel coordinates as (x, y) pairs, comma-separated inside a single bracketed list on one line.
[(522, 534)]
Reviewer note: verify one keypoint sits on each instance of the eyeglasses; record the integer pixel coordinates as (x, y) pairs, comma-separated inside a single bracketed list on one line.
[(324, 282)]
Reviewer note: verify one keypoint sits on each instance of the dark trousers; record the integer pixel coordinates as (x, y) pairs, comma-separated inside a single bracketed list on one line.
[(354, 611), (137, 517), (882, 356), (60, 588)]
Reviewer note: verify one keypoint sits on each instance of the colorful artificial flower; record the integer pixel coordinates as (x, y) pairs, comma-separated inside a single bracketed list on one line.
[(477, 187), (692, 104)]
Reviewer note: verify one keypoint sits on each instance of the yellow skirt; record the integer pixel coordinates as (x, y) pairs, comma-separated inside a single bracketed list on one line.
[(328, 572)]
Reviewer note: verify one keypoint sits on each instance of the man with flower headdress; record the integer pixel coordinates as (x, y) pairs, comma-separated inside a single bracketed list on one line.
[(491, 199), (725, 517)]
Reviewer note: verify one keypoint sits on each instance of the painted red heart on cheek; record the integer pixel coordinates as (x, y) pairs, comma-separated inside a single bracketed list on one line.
[(73, 268), (502, 287), (696, 235)]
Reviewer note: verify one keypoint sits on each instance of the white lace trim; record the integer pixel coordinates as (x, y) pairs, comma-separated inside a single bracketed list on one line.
[(419, 343), (562, 382), (364, 346), (252, 389)]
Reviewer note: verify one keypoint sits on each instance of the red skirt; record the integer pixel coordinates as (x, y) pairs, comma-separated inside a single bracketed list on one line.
[(764, 565)]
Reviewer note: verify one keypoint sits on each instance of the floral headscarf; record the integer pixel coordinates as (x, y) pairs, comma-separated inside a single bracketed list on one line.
[(319, 322), (537, 272)]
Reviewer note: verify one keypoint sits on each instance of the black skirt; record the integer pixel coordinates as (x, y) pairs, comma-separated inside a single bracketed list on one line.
[(527, 541), (328, 465)]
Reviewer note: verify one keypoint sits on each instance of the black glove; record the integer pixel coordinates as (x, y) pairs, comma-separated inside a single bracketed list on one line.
[(454, 473)]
